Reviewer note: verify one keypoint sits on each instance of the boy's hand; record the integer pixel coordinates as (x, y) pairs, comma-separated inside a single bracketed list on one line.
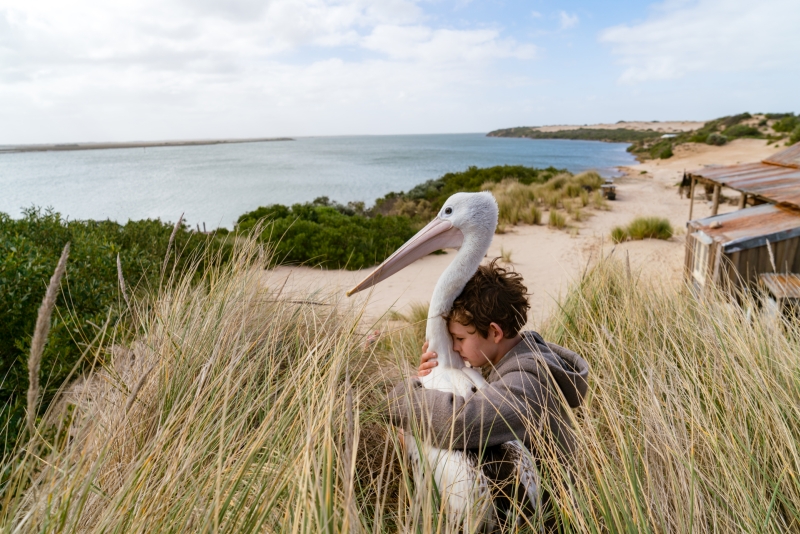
[(427, 362)]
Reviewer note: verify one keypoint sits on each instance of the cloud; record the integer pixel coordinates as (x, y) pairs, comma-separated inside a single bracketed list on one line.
[(704, 36), (567, 20), (440, 46), (91, 69)]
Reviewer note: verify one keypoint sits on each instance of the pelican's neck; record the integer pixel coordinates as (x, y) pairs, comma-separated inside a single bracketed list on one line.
[(449, 286)]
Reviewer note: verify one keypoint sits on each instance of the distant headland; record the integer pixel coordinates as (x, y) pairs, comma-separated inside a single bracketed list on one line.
[(132, 144)]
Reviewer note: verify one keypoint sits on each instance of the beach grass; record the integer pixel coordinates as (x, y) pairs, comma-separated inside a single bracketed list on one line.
[(523, 203), (619, 234), (643, 228), (229, 407), (557, 219)]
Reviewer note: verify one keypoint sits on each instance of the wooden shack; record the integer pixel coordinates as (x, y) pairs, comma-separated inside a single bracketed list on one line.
[(735, 248), (775, 180)]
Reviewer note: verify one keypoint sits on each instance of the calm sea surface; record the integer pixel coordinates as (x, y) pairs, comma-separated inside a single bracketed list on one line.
[(217, 183)]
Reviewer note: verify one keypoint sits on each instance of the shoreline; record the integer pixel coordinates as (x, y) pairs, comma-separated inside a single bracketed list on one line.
[(63, 147)]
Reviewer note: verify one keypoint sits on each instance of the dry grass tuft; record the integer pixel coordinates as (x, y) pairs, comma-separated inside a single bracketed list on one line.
[(520, 203), (505, 255)]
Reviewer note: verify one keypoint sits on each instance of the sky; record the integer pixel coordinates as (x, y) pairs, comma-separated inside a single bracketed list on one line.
[(124, 70)]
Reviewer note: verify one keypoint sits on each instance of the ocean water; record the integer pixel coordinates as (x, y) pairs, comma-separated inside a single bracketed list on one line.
[(217, 183)]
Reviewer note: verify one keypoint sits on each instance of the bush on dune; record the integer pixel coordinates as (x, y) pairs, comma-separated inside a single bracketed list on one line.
[(322, 235), (432, 194), (523, 203), (643, 228), (261, 413), (29, 250)]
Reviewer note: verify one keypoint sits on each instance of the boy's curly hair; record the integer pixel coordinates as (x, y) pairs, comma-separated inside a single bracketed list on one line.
[(493, 295)]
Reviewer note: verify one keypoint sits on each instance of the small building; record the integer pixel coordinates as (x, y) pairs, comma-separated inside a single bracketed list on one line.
[(775, 180), (732, 250)]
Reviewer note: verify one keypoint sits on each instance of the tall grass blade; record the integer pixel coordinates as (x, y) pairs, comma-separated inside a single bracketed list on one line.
[(40, 332)]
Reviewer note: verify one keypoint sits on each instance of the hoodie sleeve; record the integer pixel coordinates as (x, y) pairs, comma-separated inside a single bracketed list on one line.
[(501, 411), (520, 401)]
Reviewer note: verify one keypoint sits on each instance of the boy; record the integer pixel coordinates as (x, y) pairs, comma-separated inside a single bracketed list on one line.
[(523, 372)]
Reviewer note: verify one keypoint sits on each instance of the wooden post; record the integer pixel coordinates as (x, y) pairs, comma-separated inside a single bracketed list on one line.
[(743, 201), (715, 207), (691, 197)]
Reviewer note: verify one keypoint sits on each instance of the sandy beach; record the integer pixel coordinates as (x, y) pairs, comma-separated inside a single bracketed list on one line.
[(550, 260)]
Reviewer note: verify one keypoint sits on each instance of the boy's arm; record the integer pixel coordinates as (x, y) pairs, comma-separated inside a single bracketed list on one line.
[(499, 412)]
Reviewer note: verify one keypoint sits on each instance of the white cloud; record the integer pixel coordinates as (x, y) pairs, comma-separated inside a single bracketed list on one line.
[(536, 15), (165, 68), (705, 36), (439, 46), (568, 20)]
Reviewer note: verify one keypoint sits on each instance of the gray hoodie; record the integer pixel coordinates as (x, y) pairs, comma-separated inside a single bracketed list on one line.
[(520, 399)]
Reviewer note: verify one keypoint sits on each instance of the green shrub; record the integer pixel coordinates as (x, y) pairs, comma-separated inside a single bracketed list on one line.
[(666, 152), (776, 116), (29, 250), (727, 122), (557, 219), (741, 130), (619, 234), (650, 228), (786, 124), (795, 137), (319, 234), (716, 139)]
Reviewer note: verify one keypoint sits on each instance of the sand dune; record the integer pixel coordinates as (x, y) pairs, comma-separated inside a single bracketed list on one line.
[(666, 127), (550, 260)]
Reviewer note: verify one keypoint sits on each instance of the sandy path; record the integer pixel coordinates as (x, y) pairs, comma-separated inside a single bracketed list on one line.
[(550, 260)]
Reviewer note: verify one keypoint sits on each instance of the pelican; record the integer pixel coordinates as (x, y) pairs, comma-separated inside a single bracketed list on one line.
[(467, 221)]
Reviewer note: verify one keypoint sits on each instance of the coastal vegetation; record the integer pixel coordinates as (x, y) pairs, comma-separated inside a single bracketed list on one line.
[(332, 235), (29, 250), (651, 144), (327, 234), (525, 203), (224, 406), (616, 135), (643, 228), (425, 200)]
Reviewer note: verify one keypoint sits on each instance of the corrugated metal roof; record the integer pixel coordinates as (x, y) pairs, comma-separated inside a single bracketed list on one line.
[(776, 179), (782, 285), (788, 158), (751, 227)]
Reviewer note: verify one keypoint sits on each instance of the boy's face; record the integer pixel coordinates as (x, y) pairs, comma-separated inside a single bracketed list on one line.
[(471, 346)]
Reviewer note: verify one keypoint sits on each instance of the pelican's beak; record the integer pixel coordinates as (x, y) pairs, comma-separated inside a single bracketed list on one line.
[(436, 235)]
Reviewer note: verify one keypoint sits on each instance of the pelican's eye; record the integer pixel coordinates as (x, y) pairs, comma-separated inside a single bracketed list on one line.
[(448, 210)]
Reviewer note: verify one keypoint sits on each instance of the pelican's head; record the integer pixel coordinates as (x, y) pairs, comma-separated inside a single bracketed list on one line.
[(473, 214), (464, 217)]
